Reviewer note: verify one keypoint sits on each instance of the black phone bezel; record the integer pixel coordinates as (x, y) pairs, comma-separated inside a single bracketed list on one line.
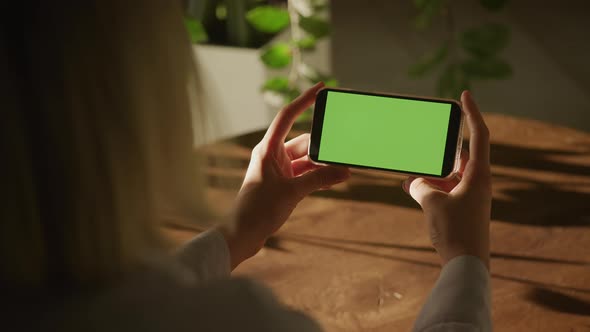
[(453, 131)]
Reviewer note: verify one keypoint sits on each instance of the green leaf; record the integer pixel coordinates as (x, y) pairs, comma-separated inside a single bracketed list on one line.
[(428, 9), (428, 62), (493, 4), (221, 11), (331, 82), (328, 81), (306, 43), (486, 40), (277, 84), (488, 68), (268, 19), (315, 26), (195, 30), (452, 82), (277, 55)]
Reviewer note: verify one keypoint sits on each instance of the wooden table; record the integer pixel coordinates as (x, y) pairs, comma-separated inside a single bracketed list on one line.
[(358, 257)]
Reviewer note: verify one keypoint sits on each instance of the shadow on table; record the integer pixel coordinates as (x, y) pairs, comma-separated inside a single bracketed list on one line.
[(537, 159), (532, 202), (543, 205), (494, 255), (557, 301)]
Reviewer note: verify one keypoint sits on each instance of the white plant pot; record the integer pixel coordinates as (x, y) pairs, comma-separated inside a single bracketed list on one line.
[(231, 79)]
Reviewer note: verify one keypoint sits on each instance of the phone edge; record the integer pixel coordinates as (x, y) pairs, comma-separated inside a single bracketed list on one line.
[(459, 144)]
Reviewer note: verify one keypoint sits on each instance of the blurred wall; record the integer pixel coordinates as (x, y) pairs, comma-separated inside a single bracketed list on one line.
[(374, 42)]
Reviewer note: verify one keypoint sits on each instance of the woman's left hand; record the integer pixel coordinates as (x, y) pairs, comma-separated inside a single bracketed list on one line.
[(279, 176)]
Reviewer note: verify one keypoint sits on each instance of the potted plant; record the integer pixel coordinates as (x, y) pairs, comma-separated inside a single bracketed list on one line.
[(463, 57), (250, 57)]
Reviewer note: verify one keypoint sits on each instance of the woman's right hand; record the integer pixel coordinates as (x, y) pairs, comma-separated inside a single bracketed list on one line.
[(458, 210)]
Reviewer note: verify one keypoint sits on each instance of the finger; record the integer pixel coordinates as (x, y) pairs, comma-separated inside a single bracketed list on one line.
[(303, 165), (463, 160), (479, 141), (406, 184), (297, 147), (446, 185), (322, 177), (450, 184), (282, 123), (423, 192)]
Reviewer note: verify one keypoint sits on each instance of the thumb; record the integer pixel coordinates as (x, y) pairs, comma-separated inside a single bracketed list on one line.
[(320, 178), (422, 191)]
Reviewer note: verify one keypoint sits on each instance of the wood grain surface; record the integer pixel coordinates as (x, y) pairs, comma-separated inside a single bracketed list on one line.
[(358, 258)]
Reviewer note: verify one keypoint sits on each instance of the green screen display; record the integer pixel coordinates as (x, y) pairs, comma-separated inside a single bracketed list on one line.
[(384, 132)]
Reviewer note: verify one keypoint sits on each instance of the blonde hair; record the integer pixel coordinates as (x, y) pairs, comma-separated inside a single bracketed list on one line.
[(97, 138)]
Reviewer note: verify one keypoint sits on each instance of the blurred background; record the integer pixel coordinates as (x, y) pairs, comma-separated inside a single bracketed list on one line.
[(518, 57)]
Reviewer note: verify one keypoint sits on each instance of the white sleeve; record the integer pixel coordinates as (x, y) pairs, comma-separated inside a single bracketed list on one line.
[(207, 256), (460, 300)]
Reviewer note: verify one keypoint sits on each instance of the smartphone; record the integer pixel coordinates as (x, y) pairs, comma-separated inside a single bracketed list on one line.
[(402, 134)]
